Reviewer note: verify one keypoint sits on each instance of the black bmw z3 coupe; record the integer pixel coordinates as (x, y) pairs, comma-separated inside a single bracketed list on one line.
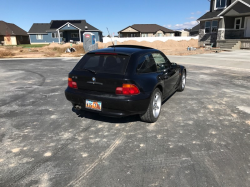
[(124, 80)]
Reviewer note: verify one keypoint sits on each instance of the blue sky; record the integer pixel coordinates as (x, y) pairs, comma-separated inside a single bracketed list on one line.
[(114, 14)]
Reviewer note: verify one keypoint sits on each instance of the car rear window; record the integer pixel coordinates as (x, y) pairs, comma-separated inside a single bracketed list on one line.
[(102, 63)]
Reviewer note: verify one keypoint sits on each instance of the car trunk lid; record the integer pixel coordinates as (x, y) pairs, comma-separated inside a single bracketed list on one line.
[(102, 72)]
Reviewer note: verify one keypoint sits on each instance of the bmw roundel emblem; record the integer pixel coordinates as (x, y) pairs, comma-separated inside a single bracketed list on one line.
[(93, 79)]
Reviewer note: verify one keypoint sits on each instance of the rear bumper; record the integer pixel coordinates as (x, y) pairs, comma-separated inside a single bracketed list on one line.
[(112, 105)]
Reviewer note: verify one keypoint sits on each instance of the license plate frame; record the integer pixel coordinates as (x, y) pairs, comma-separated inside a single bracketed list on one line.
[(93, 105)]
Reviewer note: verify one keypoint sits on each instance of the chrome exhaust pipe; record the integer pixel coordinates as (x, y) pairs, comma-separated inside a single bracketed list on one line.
[(78, 107)]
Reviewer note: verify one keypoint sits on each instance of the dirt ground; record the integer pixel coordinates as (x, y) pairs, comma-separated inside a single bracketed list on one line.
[(169, 47), (58, 50)]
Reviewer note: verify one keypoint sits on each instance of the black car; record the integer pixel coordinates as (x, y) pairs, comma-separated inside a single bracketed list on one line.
[(124, 80)]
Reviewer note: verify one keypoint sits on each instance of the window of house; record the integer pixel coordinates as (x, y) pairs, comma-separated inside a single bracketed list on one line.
[(120, 35), (55, 35), (207, 27), (74, 35), (146, 64), (214, 26), (39, 36), (159, 34), (144, 35), (221, 4), (237, 23), (21, 38)]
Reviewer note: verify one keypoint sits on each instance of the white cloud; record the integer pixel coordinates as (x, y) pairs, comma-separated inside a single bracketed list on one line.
[(197, 12), (186, 25), (168, 26), (193, 18)]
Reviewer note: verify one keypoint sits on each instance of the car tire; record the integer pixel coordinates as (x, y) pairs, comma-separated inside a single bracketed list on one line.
[(154, 109), (182, 83)]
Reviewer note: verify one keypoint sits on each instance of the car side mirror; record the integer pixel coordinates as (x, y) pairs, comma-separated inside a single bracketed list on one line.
[(173, 64)]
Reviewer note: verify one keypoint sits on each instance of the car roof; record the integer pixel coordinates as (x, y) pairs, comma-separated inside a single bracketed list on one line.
[(125, 49)]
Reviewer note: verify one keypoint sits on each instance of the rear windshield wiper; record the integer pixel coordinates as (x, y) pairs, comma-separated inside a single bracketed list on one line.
[(92, 71)]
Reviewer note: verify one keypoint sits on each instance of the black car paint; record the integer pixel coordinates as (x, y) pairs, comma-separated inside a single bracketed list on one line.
[(119, 105)]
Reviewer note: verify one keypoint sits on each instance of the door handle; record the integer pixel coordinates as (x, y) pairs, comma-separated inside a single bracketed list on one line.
[(165, 76)]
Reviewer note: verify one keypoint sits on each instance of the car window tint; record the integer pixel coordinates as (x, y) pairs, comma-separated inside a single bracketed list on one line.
[(115, 64), (161, 61), (146, 64), (93, 62)]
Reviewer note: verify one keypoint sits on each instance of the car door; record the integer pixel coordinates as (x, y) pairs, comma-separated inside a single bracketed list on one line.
[(167, 72), (174, 72)]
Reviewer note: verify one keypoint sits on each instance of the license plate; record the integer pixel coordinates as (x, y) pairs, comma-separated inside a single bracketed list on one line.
[(94, 105)]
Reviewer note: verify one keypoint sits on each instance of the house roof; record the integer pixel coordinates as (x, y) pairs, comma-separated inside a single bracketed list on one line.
[(217, 13), (55, 24), (195, 28), (11, 29), (209, 15), (234, 4), (39, 28), (149, 28)]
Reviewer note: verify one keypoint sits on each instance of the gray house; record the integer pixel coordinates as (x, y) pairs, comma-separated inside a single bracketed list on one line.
[(61, 30), (226, 25)]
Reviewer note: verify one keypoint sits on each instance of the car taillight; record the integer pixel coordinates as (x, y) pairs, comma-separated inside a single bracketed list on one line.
[(127, 89), (72, 84)]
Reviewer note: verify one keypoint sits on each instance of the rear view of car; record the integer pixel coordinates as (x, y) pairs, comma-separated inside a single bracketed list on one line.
[(112, 82)]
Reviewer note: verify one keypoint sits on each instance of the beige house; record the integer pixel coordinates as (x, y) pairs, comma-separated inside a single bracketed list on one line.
[(10, 34), (146, 30), (185, 33)]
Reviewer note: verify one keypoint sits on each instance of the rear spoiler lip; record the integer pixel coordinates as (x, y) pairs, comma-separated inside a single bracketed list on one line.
[(105, 53), (108, 53)]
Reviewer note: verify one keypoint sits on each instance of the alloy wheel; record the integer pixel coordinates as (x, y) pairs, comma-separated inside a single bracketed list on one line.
[(183, 81), (157, 104)]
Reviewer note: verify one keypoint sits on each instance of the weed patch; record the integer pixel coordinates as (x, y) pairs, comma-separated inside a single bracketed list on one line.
[(6, 54)]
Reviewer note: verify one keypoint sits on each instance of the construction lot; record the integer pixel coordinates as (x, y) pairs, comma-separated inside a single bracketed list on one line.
[(202, 137), (58, 50)]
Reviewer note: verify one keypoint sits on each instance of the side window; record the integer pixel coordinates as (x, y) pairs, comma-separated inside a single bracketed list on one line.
[(161, 61), (146, 64)]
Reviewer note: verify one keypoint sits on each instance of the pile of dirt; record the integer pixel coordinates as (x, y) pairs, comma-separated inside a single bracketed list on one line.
[(169, 47), (170, 44)]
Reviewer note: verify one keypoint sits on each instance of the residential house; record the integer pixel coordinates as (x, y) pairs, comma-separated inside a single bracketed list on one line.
[(11, 34), (226, 25), (62, 30), (195, 30), (182, 32), (145, 30), (185, 33)]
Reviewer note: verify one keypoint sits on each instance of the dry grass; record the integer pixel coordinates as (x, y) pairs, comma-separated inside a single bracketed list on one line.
[(6, 53), (79, 49), (58, 51)]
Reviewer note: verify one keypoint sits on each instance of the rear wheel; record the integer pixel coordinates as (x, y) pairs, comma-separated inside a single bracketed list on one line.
[(154, 108), (182, 83)]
